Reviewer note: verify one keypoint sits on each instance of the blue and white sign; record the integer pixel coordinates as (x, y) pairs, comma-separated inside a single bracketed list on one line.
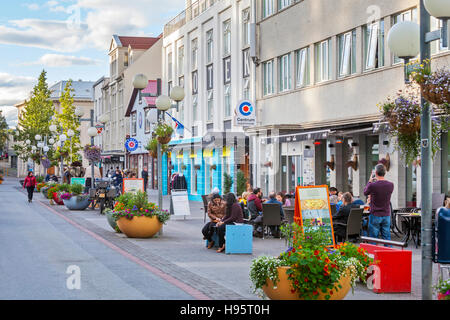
[(245, 114), (131, 144)]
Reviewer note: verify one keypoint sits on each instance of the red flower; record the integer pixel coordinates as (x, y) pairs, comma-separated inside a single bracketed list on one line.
[(334, 266), (326, 274), (315, 293), (293, 249), (306, 279), (316, 252), (292, 290), (331, 292)]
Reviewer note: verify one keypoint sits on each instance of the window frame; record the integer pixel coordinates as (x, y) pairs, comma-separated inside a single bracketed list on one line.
[(302, 74), (284, 73), (226, 38), (134, 123), (268, 79), (209, 46)]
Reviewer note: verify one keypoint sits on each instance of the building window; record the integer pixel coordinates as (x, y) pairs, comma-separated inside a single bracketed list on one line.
[(133, 123), (227, 100), (169, 66), (194, 56), (227, 70), (209, 113), (125, 59), (147, 122), (209, 77), (374, 45), (246, 63), (227, 125), (195, 131), (180, 60), (194, 82), (284, 3), (302, 65), (169, 88), (181, 82), (323, 60), (227, 38), (181, 111), (409, 15), (268, 8), (246, 27), (268, 77), (284, 64), (194, 175), (195, 108), (347, 53), (209, 46), (246, 89), (436, 46)]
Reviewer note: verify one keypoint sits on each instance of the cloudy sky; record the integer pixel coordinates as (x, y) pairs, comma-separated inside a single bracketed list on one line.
[(67, 38)]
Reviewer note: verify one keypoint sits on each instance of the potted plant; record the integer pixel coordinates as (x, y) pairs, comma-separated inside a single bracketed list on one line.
[(163, 132), (443, 289), (310, 268), (136, 217), (74, 199), (152, 147), (52, 194), (109, 212), (39, 186)]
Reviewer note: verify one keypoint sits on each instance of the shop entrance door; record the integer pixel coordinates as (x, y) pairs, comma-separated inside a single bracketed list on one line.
[(291, 173)]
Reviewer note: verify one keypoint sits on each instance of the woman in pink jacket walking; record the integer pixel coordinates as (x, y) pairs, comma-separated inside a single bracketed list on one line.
[(30, 183)]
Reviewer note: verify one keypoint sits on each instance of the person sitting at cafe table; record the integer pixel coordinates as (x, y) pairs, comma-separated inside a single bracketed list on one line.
[(254, 203), (216, 211), (281, 197), (258, 221), (233, 215), (342, 216)]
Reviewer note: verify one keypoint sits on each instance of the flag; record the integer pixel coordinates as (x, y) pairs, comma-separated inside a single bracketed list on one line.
[(179, 127)]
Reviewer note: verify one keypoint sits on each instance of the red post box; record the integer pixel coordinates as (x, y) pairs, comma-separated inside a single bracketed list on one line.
[(392, 269)]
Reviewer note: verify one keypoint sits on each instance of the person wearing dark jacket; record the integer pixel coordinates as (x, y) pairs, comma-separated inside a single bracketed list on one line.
[(254, 203), (30, 183), (342, 215), (233, 215), (144, 175)]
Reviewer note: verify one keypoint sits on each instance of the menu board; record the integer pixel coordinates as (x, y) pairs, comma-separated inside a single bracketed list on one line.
[(180, 203), (312, 208), (133, 185)]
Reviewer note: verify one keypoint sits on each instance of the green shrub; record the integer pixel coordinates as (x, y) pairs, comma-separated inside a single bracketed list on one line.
[(76, 189), (227, 183)]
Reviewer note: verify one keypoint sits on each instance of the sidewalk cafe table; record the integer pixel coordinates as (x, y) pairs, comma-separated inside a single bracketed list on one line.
[(413, 223)]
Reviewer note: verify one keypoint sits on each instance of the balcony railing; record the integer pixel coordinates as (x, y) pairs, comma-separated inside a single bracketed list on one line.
[(197, 8)]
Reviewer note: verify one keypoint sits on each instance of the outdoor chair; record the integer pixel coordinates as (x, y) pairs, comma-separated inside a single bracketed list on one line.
[(205, 206), (354, 224), (289, 214), (271, 216)]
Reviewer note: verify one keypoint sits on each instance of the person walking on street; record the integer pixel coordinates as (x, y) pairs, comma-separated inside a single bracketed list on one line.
[(30, 184), (380, 191), (145, 177)]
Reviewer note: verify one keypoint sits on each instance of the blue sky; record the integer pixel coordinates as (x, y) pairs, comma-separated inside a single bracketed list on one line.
[(67, 38)]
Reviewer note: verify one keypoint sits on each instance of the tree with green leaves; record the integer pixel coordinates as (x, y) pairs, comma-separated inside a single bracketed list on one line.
[(67, 120), (3, 131), (35, 119)]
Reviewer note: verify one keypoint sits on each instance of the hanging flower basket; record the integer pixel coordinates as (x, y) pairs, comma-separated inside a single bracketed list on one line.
[(436, 94), (164, 139), (92, 153), (407, 128)]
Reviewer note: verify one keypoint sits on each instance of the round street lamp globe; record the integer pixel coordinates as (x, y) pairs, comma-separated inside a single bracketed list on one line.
[(163, 103), (438, 8), (70, 133), (140, 81), (53, 128), (92, 132), (104, 118), (62, 138), (79, 112), (404, 39), (177, 93)]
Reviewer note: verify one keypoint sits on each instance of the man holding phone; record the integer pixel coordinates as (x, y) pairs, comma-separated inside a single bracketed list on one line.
[(380, 191)]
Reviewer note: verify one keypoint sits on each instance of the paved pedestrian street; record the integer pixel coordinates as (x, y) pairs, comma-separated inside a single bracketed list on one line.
[(49, 252)]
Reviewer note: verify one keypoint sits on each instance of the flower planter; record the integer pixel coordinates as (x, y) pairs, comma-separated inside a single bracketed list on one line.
[(139, 227), (283, 289), (153, 154), (110, 219), (407, 129), (77, 203), (57, 199), (435, 93), (164, 139)]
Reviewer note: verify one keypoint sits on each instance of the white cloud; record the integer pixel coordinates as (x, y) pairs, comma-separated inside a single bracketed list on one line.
[(58, 60), (102, 19), (10, 114), (32, 6), (14, 89)]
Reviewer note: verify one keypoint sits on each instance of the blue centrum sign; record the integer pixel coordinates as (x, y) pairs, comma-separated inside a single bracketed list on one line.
[(131, 144), (245, 114)]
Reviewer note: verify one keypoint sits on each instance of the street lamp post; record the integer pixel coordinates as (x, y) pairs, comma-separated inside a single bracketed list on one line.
[(163, 103), (406, 39)]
